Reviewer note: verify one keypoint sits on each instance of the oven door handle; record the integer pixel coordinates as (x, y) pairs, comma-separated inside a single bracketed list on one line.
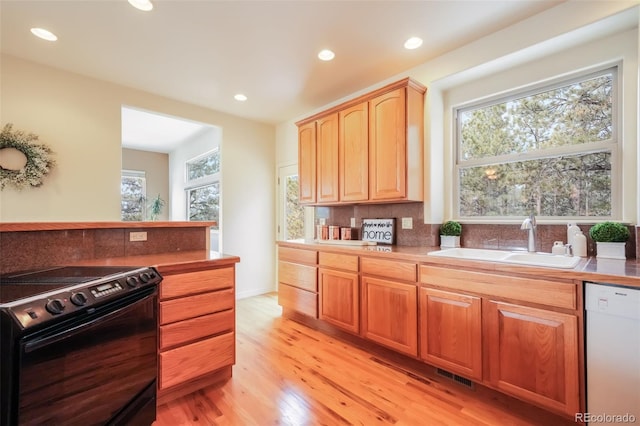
[(82, 326)]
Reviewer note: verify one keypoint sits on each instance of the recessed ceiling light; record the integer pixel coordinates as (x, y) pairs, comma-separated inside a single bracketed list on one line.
[(145, 5), (326, 55), (413, 43), (240, 97), (44, 34)]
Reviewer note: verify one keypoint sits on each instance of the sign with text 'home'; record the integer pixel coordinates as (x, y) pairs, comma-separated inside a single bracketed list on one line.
[(378, 230)]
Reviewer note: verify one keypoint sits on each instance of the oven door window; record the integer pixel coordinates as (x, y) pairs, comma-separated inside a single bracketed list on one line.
[(87, 371)]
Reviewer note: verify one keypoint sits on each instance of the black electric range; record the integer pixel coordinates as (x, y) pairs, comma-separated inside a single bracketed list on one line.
[(79, 346)]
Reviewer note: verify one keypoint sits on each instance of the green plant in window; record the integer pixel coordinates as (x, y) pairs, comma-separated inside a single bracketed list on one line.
[(156, 207)]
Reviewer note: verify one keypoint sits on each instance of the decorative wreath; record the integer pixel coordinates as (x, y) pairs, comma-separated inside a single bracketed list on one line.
[(39, 161)]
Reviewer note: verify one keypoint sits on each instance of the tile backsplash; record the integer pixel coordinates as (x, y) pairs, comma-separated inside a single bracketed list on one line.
[(506, 237)]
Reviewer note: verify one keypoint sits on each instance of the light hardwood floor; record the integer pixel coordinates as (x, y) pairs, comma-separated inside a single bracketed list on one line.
[(289, 374)]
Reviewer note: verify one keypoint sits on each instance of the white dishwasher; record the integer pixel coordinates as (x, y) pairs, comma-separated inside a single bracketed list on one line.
[(612, 354)]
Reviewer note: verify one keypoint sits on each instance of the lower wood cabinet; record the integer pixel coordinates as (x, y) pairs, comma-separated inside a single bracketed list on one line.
[(197, 330), (451, 331), (533, 354), (390, 314), (298, 280), (340, 299)]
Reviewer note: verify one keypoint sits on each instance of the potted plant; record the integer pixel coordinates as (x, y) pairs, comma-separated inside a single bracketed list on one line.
[(611, 239), (156, 207), (450, 234)]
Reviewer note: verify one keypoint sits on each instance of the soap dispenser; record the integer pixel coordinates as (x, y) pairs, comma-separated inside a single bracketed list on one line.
[(572, 229), (579, 244)]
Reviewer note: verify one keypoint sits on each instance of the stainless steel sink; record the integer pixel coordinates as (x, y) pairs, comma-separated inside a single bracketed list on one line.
[(522, 258)]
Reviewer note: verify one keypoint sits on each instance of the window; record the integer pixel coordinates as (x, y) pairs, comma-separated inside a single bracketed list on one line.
[(133, 191), (203, 187), (294, 212), (549, 152)]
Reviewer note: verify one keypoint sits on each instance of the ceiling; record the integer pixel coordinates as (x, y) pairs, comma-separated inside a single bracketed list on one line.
[(204, 52)]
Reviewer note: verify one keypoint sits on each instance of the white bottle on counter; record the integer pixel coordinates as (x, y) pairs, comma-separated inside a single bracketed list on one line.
[(579, 244), (572, 229)]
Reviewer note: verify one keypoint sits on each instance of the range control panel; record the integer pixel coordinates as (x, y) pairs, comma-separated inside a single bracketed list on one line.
[(68, 300)]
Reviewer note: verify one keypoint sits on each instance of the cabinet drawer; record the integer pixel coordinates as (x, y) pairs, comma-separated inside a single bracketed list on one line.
[(389, 268), (301, 276), (191, 361), (297, 255), (346, 262), (193, 329), (196, 282), (545, 292), (298, 300), (195, 306)]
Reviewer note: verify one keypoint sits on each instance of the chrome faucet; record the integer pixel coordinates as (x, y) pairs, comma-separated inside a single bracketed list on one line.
[(529, 224)]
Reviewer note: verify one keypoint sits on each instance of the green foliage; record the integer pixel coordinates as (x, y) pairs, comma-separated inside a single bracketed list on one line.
[(156, 207), (609, 232), (294, 211), (571, 185), (451, 228)]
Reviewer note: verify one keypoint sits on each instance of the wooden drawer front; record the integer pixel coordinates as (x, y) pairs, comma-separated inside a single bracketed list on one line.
[(302, 276), (545, 292), (297, 255), (298, 300), (195, 306), (191, 361), (196, 282), (193, 329), (347, 262), (389, 268)]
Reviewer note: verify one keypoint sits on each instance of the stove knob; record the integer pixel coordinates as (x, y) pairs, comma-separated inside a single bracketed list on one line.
[(145, 277), (55, 306), (78, 299), (132, 281)]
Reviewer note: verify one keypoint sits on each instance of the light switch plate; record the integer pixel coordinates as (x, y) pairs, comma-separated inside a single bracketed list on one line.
[(407, 223), (353, 222), (137, 236)]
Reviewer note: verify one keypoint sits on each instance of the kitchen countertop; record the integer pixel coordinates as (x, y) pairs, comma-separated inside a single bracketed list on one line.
[(57, 226), (169, 263), (589, 269)]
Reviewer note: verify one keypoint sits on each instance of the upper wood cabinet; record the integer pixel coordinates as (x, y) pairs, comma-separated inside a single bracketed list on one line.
[(327, 159), (353, 160), (307, 162), (369, 149)]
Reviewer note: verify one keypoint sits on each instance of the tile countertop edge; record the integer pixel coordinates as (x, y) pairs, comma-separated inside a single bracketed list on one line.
[(589, 269), (169, 263), (63, 226)]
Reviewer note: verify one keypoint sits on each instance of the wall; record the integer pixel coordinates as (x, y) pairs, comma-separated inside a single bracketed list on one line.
[(545, 41), (79, 118), (156, 168)]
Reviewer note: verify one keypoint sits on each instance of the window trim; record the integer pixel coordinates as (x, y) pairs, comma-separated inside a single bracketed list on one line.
[(612, 145)]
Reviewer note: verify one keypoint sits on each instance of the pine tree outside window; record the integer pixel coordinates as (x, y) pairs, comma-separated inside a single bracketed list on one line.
[(203, 187), (551, 152), (133, 195)]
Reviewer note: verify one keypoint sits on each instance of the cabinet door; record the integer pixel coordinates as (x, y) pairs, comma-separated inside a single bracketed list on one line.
[(327, 160), (387, 146), (391, 314), (451, 331), (533, 354), (353, 142), (339, 301), (307, 162)]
